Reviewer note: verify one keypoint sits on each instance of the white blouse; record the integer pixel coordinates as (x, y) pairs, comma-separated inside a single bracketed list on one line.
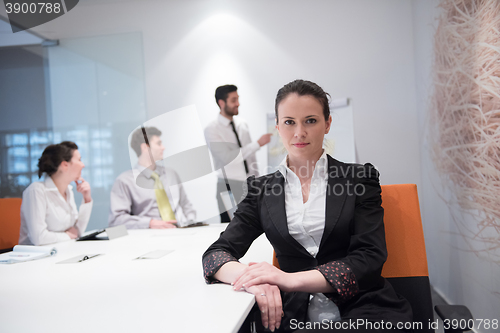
[(46, 215), (306, 221)]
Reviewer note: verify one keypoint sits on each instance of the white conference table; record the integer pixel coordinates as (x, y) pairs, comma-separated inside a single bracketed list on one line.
[(115, 293)]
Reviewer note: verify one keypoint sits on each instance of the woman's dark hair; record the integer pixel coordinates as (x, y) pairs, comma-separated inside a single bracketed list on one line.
[(53, 155), (303, 88)]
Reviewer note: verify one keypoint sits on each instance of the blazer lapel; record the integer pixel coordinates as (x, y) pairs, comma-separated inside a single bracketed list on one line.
[(336, 195), (275, 203)]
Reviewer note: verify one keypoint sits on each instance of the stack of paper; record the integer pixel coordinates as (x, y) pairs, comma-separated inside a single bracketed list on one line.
[(23, 253)]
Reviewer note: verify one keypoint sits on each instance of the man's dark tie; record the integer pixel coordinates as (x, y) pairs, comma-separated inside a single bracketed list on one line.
[(239, 144)]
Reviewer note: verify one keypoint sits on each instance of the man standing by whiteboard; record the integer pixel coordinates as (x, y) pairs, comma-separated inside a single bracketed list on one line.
[(226, 136)]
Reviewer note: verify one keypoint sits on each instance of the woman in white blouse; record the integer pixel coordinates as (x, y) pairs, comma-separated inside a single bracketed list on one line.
[(48, 210)]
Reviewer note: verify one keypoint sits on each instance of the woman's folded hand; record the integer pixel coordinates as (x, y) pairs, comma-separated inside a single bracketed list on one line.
[(268, 299), (263, 272)]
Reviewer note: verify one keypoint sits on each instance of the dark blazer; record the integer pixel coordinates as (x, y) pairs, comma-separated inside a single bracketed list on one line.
[(351, 253)]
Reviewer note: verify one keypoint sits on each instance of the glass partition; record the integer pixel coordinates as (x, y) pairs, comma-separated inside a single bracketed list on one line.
[(95, 96)]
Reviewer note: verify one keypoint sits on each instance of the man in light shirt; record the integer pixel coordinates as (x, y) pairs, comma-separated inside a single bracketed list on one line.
[(235, 134), (134, 201)]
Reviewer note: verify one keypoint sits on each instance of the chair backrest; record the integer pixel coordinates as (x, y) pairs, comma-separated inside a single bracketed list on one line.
[(10, 222), (406, 265), (403, 232)]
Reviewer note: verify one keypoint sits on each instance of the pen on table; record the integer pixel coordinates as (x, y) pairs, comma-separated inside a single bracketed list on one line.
[(87, 258)]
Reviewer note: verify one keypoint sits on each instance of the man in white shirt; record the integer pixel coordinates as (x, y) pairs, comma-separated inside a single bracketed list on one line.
[(134, 196), (226, 137)]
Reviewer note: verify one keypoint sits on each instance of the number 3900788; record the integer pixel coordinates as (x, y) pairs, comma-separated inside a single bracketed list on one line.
[(470, 324), (32, 8)]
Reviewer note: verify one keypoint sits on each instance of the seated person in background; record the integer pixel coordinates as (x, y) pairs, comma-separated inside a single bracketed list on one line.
[(155, 204), (48, 210), (323, 218)]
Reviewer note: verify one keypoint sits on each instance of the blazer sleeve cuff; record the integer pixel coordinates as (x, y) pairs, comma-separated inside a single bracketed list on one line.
[(213, 262), (341, 277)]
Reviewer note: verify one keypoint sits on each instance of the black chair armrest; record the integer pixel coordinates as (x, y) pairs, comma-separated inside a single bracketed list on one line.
[(457, 318)]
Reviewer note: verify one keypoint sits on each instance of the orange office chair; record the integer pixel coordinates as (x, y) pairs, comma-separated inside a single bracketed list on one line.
[(10, 223), (406, 265)]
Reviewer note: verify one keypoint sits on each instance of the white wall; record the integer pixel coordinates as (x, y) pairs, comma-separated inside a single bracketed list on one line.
[(358, 49), (460, 276)]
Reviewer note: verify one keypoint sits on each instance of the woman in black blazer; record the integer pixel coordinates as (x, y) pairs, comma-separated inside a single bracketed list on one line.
[(328, 240)]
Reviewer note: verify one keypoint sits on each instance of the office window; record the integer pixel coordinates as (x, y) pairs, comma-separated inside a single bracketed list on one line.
[(15, 170), (20, 153)]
